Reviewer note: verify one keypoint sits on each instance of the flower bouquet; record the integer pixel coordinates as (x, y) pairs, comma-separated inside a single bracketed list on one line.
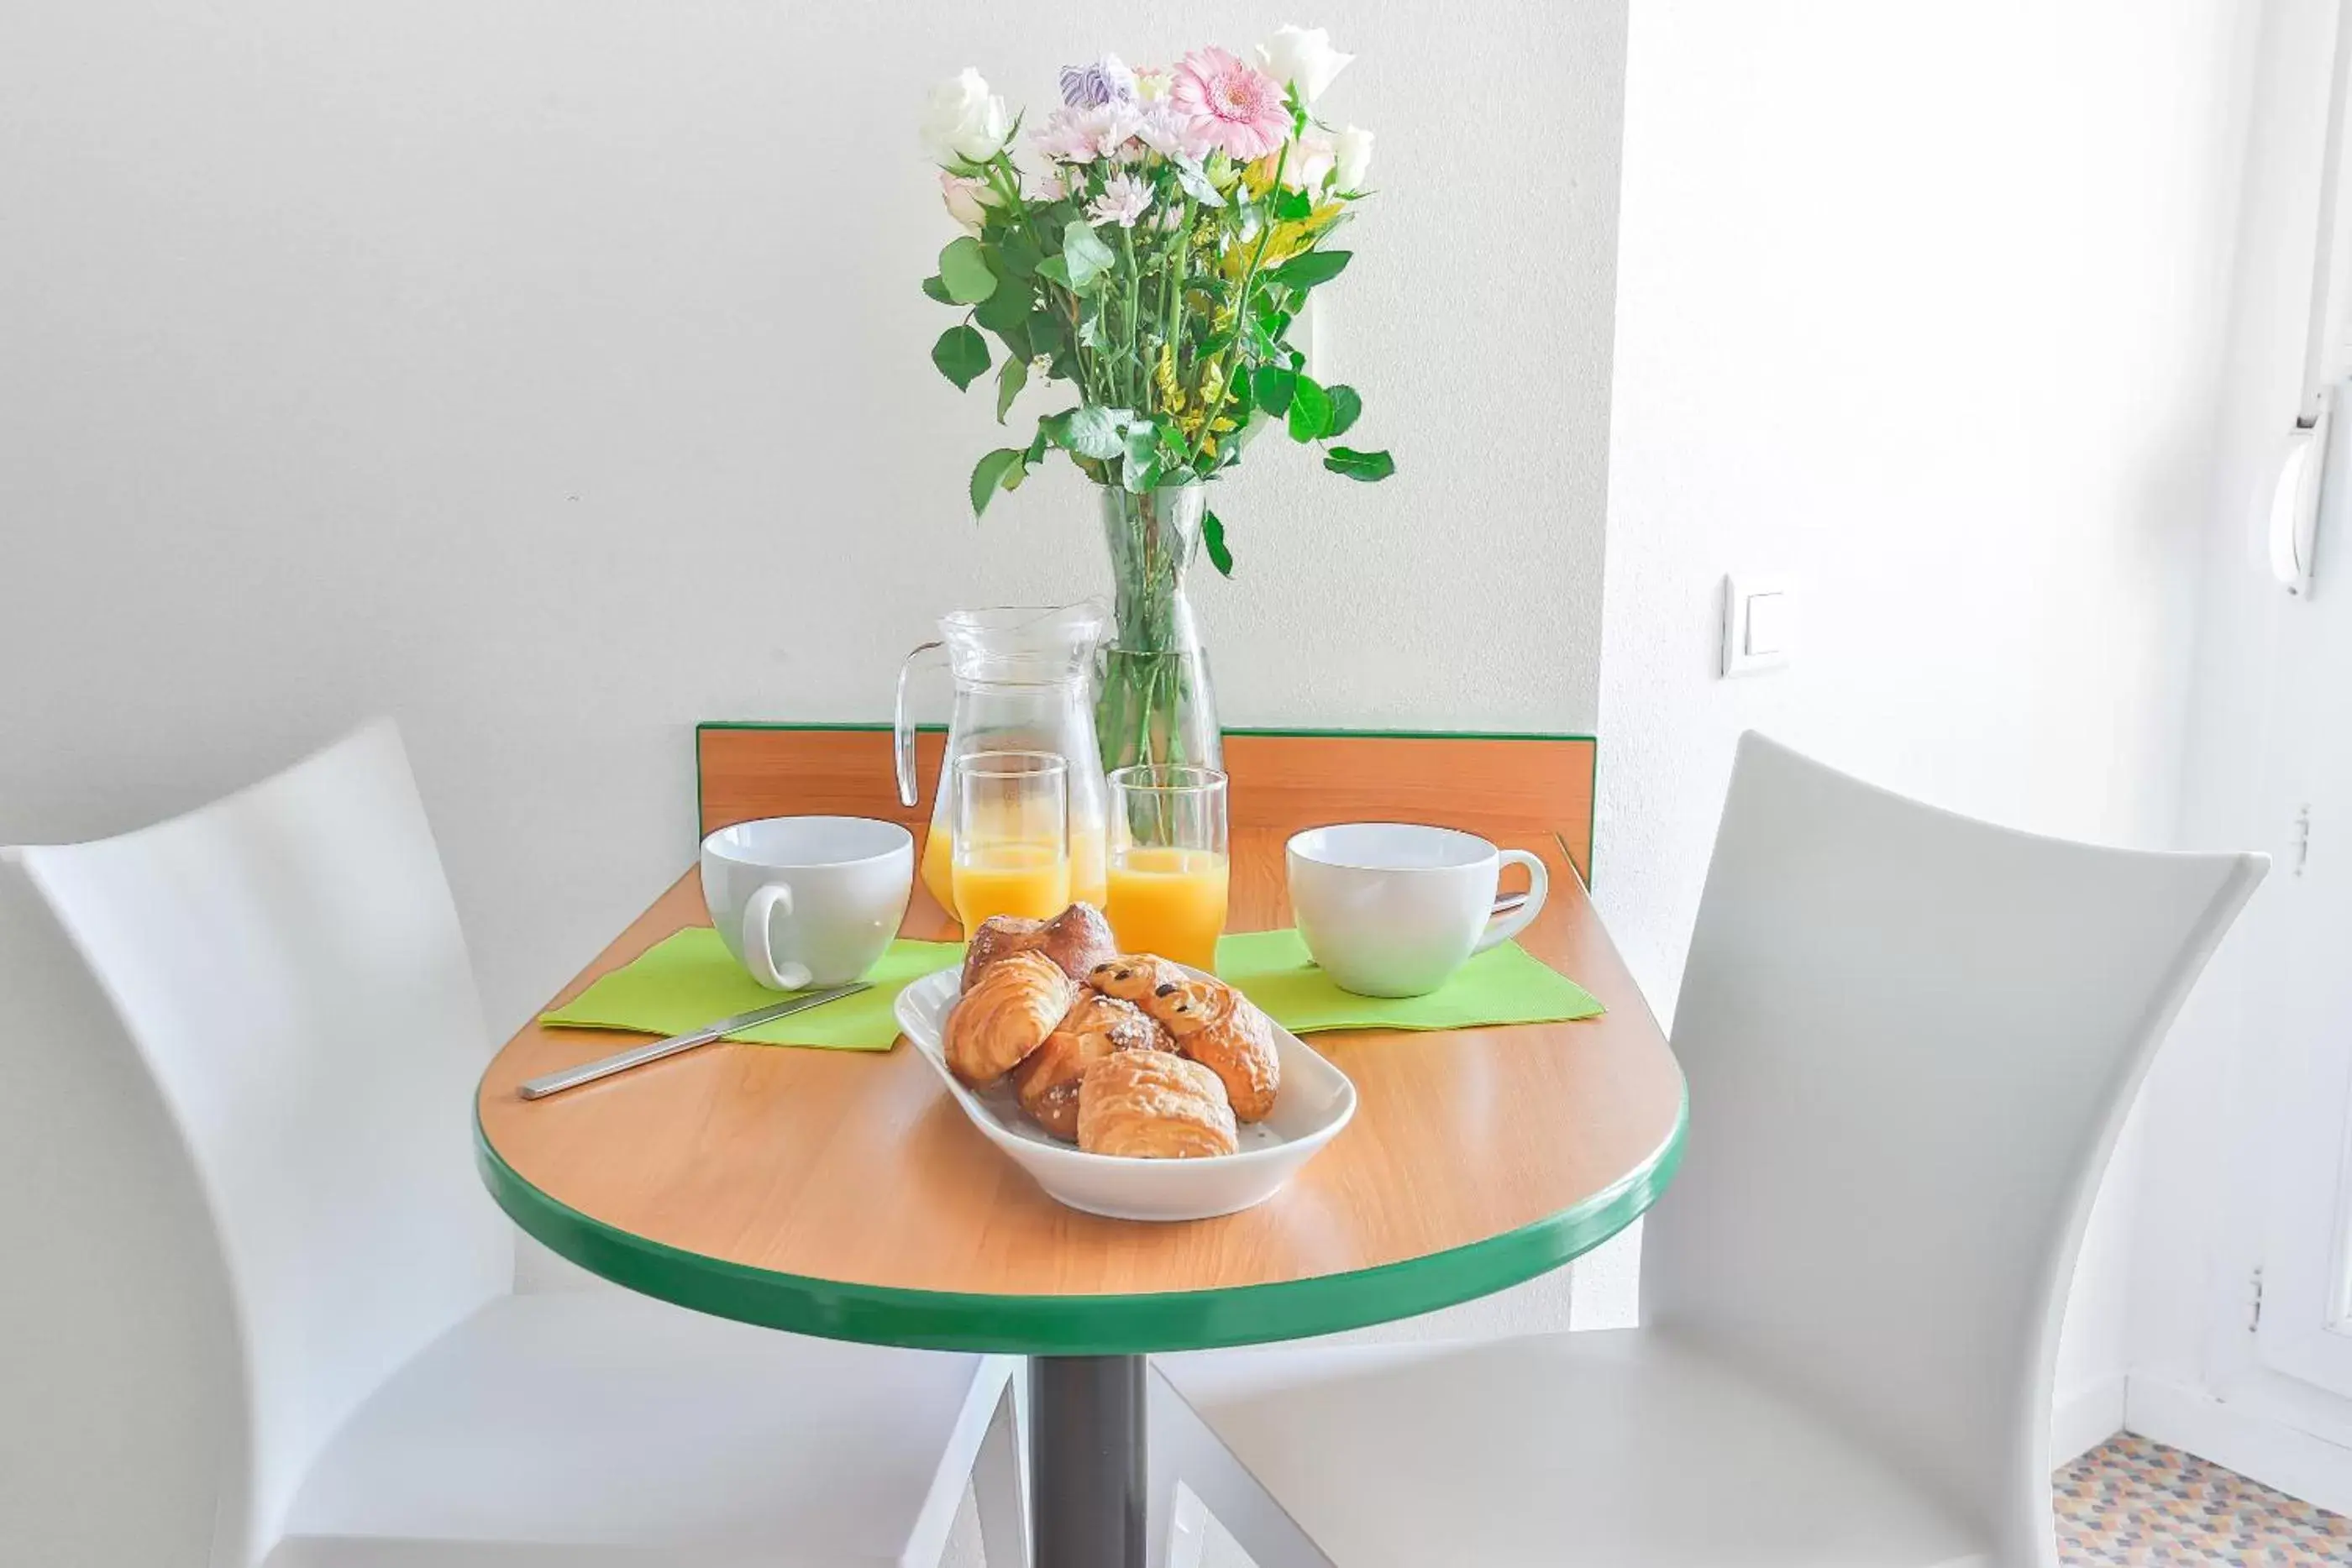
[(1155, 256)]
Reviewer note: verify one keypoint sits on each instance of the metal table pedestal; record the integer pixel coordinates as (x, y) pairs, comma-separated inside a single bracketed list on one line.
[(1086, 1461)]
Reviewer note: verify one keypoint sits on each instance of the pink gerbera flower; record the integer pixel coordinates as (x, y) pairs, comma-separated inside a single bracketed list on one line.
[(1231, 105)]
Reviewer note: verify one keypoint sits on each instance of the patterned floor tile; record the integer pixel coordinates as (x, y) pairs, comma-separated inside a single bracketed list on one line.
[(2134, 1502)]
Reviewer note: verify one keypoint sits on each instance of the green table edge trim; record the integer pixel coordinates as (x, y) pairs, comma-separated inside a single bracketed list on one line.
[(1081, 1325)]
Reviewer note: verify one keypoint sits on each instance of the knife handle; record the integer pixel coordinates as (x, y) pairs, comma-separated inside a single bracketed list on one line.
[(605, 1067)]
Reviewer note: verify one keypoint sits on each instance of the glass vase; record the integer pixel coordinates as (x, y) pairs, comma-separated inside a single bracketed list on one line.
[(1157, 705)]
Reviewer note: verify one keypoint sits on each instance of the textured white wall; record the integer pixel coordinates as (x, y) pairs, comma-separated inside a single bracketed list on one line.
[(2212, 1108), (1923, 307), (552, 375)]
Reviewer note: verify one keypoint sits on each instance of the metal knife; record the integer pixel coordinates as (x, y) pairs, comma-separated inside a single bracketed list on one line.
[(637, 1056)]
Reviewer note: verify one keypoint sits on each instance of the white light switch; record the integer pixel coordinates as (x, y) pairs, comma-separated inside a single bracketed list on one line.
[(1758, 624)]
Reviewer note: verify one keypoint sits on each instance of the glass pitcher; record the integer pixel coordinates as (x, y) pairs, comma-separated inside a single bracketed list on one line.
[(1024, 681)]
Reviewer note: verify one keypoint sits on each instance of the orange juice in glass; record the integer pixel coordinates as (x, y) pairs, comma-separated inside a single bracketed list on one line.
[(1011, 877), (1086, 859), (1011, 849), (1169, 873)]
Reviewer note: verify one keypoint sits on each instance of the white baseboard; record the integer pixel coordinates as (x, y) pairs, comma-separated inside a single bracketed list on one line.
[(2084, 1419), (2269, 1451)]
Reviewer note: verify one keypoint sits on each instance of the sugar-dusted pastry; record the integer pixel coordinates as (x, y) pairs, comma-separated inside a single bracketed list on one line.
[(1154, 1105), (1078, 939), (1095, 1027), (1223, 1031), (1005, 1014), (1133, 976)]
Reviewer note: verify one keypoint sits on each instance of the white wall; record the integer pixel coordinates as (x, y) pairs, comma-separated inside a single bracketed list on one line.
[(1922, 306), (2213, 1104), (552, 374)]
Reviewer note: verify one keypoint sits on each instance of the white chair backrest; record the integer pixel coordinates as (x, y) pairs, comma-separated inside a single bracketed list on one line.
[(1911, 1040), (289, 964)]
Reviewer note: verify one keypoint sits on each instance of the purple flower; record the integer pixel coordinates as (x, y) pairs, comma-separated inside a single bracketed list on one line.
[(1107, 80)]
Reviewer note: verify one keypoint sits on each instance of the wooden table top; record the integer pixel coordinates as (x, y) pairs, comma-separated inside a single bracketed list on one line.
[(842, 1193)]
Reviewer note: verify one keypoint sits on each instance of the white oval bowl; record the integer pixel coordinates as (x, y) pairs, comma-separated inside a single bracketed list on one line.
[(1316, 1101)]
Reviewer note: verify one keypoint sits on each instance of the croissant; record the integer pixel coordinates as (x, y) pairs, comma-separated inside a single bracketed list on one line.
[(1153, 1105), (1076, 939), (1006, 1014), (1223, 1031), (1133, 976), (1048, 1081)]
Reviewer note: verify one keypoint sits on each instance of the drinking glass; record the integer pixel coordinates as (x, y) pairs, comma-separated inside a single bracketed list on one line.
[(1011, 835), (1167, 874)]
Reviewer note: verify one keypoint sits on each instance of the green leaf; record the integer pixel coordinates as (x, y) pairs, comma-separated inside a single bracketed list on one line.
[(1091, 432), (1009, 380), (1053, 269), (1212, 534), (1368, 467), (1085, 256), (1142, 455), (1345, 406), (1195, 184), (988, 475), (1019, 254), (963, 269), (937, 290), (962, 355), (1292, 205), (1047, 334), (1304, 272), (1310, 409), (1271, 385), (1034, 453), (1006, 314)]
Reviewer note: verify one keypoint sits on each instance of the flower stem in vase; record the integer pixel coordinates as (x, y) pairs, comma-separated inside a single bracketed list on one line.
[(1157, 703)]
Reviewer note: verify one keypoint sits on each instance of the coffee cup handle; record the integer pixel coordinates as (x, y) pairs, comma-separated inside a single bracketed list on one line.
[(758, 955), (1502, 927)]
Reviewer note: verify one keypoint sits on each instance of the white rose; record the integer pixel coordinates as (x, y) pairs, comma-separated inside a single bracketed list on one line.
[(961, 119), (1352, 150), (1311, 158), (1304, 57)]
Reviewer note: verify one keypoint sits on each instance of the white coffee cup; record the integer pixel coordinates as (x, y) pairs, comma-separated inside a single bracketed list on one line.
[(808, 901), (1391, 909)]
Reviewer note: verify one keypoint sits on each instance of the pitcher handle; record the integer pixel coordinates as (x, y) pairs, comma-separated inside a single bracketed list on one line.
[(909, 786)]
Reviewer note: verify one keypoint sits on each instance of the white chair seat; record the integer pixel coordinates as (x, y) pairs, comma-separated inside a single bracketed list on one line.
[(595, 1429), (1618, 1449)]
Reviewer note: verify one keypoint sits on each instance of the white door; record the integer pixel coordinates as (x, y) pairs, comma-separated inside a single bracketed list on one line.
[(2306, 1324)]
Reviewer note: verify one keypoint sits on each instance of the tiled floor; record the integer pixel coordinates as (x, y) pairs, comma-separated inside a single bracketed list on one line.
[(2137, 1502)]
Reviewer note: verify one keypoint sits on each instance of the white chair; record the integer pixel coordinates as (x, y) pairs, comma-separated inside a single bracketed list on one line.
[(256, 1307), (1910, 1041)]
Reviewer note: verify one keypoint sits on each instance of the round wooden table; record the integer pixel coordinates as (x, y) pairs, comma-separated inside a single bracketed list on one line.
[(843, 1194)]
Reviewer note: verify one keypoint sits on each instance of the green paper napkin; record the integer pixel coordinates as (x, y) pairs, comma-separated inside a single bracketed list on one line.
[(688, 980), (1505, 984)]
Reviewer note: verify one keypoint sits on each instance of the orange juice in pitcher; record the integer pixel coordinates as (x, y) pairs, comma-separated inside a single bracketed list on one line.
[(1023, 682)]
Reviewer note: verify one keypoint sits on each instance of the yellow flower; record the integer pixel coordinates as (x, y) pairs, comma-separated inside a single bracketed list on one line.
[(1163, 376), (1258, 178), (1282, 241)]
